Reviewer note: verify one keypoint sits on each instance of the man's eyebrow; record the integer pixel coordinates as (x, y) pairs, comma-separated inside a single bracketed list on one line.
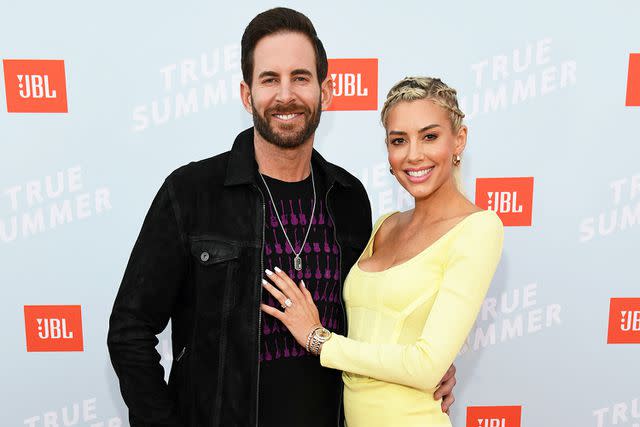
[(267, 74), (303, 71)]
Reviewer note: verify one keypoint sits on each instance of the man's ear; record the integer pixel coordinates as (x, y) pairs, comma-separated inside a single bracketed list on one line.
[(326, 93), (245, 95)]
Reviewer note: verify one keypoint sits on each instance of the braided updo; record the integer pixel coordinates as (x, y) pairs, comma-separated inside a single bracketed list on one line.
[(414, 88)]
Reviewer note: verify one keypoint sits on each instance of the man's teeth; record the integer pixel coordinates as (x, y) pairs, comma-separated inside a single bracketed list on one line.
[(285, 116), (420, 172)]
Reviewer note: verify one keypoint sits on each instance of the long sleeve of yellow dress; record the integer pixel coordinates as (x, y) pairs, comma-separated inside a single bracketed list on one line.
[(472, 255)]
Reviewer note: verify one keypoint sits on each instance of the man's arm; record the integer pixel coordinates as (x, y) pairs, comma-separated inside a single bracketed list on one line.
[(142, 310)]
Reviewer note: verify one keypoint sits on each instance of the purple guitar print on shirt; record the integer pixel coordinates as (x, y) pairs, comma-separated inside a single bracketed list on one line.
[(318, 272), (272, 218), (314, 221), (283, 216), (303, 217), (295, 233), (327, 248), (277, 244), (321, 216), (294, 217)]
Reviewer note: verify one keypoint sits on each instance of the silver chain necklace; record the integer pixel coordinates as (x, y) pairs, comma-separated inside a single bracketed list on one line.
[(297, 261)]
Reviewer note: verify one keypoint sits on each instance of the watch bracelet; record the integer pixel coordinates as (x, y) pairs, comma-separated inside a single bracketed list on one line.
[(316, 344), (315, 347), (310, 337)]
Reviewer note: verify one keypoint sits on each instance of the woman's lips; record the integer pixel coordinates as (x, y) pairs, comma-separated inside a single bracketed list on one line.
[(419, 175)]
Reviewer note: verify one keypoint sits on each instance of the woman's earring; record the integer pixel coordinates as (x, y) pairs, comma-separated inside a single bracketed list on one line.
[(391, 170), (456, 160)]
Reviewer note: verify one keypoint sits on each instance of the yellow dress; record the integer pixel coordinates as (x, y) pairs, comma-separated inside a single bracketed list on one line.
[(408, 323)]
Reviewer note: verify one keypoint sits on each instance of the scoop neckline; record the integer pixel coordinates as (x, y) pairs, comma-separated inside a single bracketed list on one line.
[(416, 256)]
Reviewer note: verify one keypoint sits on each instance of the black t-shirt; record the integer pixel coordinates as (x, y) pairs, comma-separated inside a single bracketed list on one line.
[(295, 390)]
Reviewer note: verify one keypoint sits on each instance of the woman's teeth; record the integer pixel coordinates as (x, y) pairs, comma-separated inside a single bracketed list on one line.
[(422, 172)]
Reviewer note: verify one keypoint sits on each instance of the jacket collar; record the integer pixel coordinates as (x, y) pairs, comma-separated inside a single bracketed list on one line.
[(243, 168)]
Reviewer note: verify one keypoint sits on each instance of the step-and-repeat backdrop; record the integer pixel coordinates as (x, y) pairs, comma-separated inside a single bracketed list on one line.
[(100, 101)]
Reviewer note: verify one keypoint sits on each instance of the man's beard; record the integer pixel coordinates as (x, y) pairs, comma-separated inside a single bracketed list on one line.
[(289, 139)]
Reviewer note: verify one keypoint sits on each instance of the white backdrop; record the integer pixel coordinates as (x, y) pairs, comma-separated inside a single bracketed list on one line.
[(549, 89)]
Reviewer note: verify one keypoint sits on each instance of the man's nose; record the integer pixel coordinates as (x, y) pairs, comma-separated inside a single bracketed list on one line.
[(285, 94)]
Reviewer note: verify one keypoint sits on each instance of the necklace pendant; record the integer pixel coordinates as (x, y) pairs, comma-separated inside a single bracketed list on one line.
[(297, 263)]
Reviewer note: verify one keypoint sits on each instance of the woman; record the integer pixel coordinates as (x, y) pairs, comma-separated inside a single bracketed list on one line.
[(414, 294)]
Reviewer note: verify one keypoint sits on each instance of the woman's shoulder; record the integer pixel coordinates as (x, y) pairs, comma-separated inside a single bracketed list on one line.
[(388, 220), (484, 218), (481, 226), (383, 226)]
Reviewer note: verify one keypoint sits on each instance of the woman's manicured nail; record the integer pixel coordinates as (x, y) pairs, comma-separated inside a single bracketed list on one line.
[(269, 272), (302, 283), (264, 282), (277, 270)]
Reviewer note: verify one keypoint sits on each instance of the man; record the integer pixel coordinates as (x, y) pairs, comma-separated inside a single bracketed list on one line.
[(213, 229)]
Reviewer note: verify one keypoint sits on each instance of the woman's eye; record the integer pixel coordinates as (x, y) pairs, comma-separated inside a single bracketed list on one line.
[(430, 136), (396, 141)]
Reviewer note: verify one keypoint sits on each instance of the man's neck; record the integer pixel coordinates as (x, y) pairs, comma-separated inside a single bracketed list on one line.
[(289, 165)]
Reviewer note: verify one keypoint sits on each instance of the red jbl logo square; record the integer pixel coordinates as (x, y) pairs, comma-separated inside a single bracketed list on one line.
[(53, 327), (494, 416), (633, 81), (510, 198), (355, 84), (624, 321), (35, 86)]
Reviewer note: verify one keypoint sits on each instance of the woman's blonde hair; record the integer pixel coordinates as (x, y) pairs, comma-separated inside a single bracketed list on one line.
[(434, 89)]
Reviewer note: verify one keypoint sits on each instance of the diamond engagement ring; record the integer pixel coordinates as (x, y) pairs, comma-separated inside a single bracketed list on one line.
[(287, 303)]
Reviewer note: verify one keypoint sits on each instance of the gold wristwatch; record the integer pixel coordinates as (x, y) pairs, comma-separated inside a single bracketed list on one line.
[(318, 337)]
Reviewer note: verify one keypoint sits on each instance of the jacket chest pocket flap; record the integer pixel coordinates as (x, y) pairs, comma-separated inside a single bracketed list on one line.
[(210, 252), (216, 265)]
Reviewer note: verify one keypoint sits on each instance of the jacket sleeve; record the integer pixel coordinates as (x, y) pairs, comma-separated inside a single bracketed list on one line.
[(467, 274), (142, 309)]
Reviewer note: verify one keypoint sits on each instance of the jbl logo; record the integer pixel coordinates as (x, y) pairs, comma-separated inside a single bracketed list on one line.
[(494, 416), (355, 84), (53, 327), (503, 202), (348, 84), (510, 198), (630, 320), (35, 86), (624, 321)]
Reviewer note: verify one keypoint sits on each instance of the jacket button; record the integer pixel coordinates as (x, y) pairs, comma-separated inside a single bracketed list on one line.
[(204, 256)]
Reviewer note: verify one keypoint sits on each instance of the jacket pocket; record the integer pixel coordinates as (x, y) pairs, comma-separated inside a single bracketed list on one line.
[(179, 380), (215, 265)]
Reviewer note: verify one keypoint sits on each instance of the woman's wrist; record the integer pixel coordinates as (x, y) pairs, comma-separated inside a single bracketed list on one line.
[(314, 328), (317, 338)]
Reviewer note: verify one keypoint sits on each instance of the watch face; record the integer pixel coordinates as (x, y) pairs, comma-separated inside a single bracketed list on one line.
[(323, 334)]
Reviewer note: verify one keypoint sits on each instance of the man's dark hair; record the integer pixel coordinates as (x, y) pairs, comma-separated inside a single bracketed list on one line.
[(280, 20)]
